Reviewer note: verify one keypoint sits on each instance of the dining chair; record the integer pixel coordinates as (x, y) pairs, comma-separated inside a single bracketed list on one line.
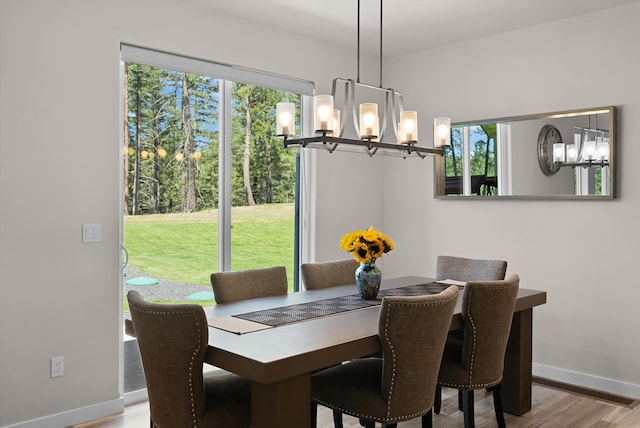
[(173, 340), (249, 284), (333, 273), (477, 362), (329, 274), (464, 269), (401, 385)]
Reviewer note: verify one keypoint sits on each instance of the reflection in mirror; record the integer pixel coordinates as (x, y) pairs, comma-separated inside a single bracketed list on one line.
[(560, 155)]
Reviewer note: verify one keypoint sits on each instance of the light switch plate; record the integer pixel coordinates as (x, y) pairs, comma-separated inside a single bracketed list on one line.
[(91, 233)]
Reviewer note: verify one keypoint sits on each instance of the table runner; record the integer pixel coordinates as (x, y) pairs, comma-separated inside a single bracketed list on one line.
[(304, 311)]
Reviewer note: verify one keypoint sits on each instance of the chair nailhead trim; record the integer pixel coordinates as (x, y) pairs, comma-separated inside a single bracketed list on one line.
[(391, 388)]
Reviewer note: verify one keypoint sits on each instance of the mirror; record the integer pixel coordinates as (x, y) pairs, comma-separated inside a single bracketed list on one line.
[(559, 155)]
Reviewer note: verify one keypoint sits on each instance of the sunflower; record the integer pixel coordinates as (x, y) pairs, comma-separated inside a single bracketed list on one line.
[(362, 253), (366, 245)]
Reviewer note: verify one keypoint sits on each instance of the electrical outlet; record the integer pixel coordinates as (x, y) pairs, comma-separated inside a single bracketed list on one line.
[(57, 366)]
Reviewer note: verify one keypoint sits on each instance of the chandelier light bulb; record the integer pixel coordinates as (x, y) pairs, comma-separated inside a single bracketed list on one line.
[(323, 112), (602, 148), (589, 150), (285, 119), (408, 128), (558, 152), (442, 131), (323, 107), (369, 122), (572, 153)]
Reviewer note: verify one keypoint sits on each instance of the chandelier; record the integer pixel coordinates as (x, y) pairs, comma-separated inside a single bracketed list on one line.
[(589, 148), (371, 133)]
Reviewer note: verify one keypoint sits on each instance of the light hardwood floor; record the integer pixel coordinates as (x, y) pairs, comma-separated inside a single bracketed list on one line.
[(552, 408)]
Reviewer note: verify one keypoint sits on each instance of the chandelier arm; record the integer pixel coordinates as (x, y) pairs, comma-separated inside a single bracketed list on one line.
[(400, 100), (348, 110), (354, 114), (334, 90), (395, 96), (385, 115)]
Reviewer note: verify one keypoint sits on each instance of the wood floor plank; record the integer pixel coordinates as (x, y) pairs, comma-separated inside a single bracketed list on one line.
[(551, 408)]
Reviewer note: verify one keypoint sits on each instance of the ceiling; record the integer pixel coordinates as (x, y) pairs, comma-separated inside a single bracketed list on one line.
[(408, 25)]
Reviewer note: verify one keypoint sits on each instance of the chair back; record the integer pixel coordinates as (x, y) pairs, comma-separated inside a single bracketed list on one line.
[(329, 274), (487, 311), (249, 284), (413, 331), (463, 269), (173, 341)]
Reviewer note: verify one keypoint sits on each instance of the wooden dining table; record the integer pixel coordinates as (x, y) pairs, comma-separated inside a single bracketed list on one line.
[(279, 360)]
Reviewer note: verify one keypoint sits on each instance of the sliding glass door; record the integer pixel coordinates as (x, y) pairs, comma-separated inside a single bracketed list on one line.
[(206, 183)]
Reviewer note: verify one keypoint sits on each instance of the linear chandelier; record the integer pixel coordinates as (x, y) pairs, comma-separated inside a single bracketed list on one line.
[(370, 137), (590, 148)]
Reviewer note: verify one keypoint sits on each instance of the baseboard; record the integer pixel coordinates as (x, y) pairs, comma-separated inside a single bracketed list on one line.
[(135, 397), (609, 386), (75, 416)]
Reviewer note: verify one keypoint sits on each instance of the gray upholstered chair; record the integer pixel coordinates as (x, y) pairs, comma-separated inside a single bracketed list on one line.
[(400, 385), (249, 284), (463, 269), (329, 274), (173, 341), (477, 362)]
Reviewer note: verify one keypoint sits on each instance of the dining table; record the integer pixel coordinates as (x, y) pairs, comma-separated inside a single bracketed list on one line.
[(278, 342)]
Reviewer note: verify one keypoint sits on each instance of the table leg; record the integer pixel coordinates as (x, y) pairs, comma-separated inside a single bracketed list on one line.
[(285, 404), (516, 383)]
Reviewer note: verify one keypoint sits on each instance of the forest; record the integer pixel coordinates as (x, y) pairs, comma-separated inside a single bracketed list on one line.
[(171, 149)]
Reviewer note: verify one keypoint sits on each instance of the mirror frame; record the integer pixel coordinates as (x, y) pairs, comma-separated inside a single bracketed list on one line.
[(439, 169)]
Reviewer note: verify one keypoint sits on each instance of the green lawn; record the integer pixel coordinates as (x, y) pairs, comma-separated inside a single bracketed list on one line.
[(184, 247)]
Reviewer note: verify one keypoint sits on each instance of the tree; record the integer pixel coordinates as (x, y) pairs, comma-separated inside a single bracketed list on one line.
[(172, 143), (268, 169), (187, 162), (125, 148)]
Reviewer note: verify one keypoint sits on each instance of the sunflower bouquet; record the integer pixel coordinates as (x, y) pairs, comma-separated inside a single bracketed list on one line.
[(366, 245)]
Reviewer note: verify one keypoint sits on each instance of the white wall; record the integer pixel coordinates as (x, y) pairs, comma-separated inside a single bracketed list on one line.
[(583, 253), (59, 166)]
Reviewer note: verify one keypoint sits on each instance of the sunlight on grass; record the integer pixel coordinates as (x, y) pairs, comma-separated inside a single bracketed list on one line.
[(184, 246)]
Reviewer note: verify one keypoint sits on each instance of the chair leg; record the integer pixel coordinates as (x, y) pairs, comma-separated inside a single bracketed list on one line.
[(314, 414), (437, 403), (460, 393), (497, 405), (337, 419), (427, 420), (368, 424), (388, 425), (467, 408)]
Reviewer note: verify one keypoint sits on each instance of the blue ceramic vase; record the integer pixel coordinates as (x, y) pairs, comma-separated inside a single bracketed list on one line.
[(368, 278)]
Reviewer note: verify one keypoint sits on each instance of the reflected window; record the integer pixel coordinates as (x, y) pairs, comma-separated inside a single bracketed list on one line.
[(473, 149)]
